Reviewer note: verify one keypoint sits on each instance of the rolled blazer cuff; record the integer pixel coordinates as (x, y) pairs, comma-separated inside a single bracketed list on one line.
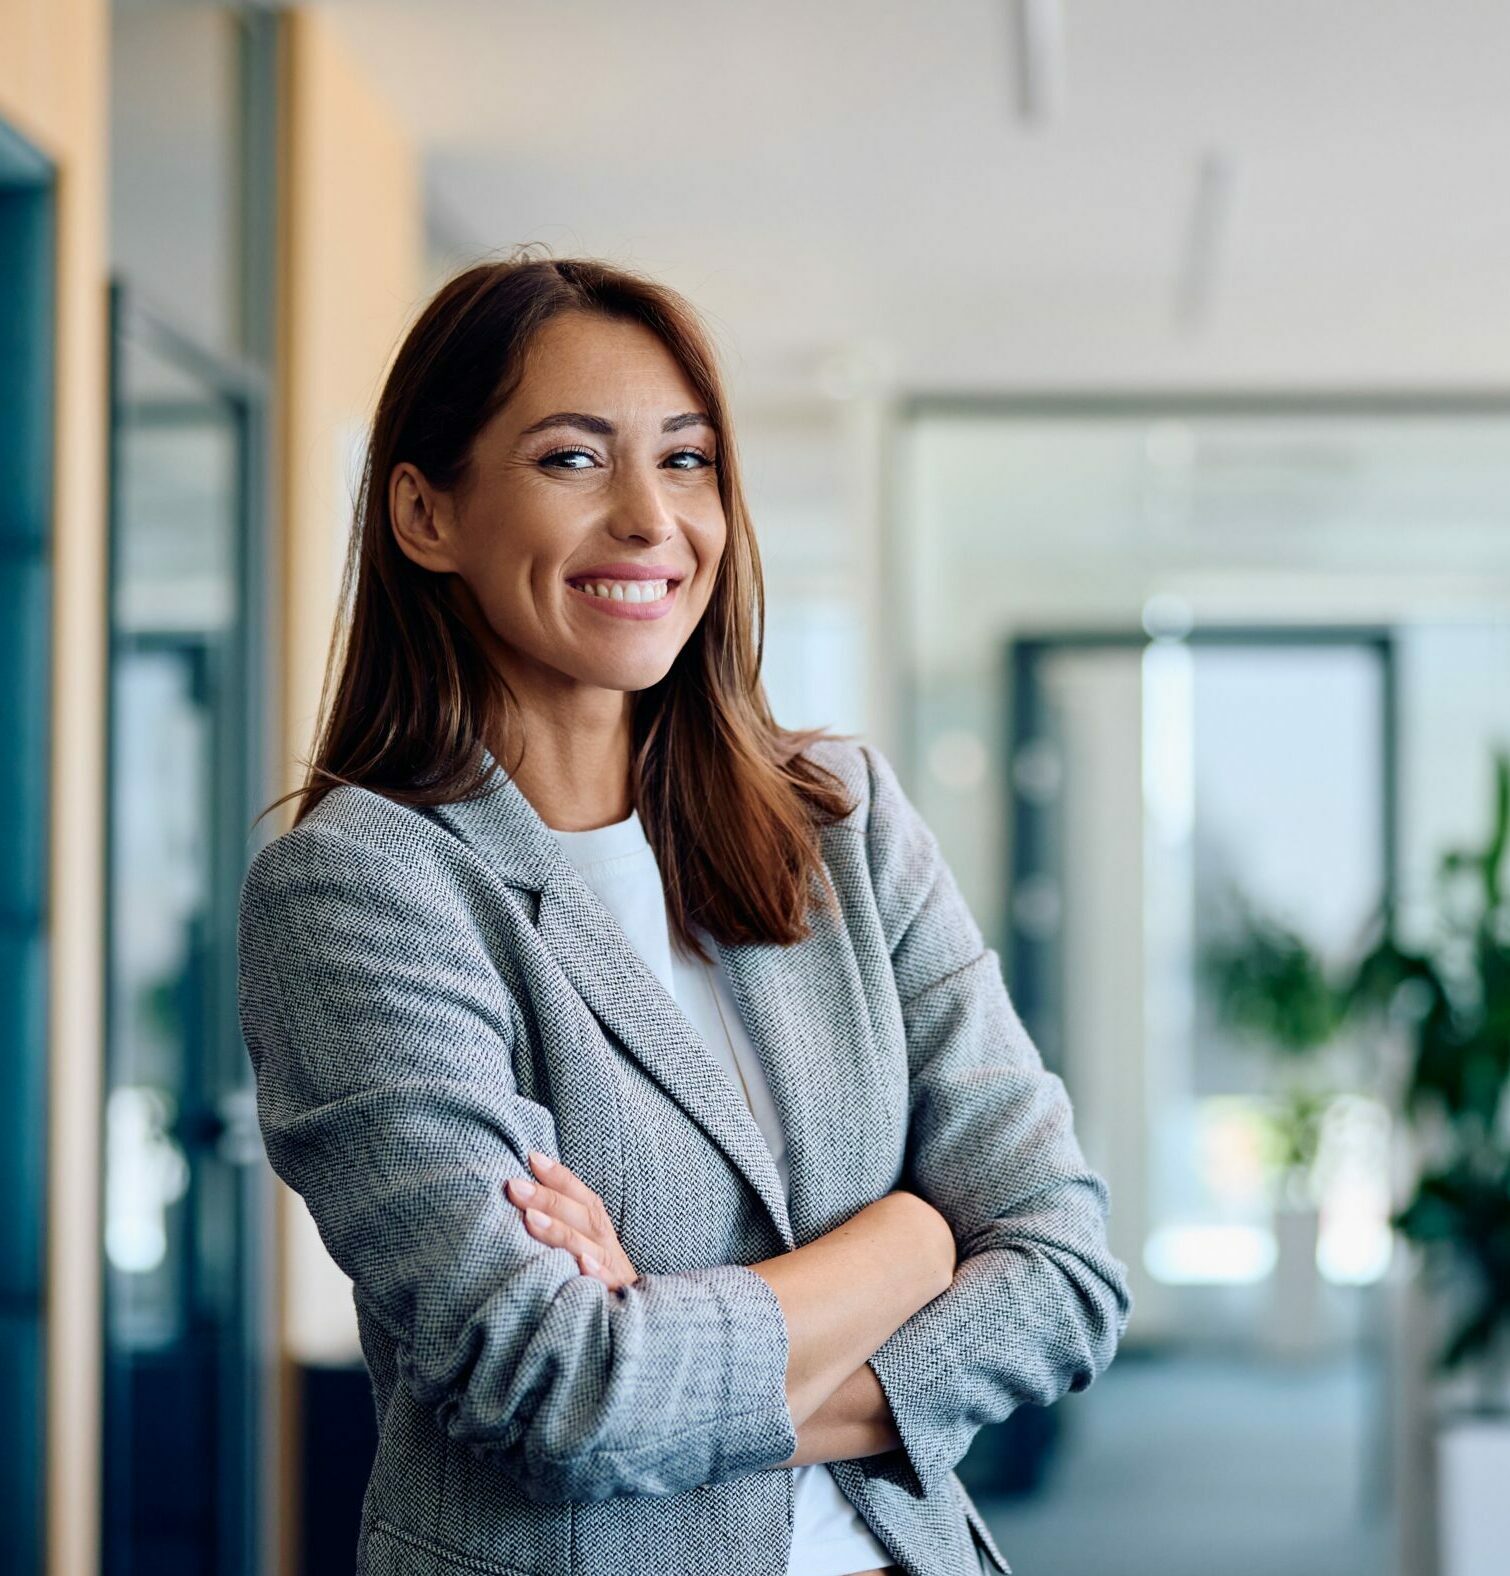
[(733, 1316), (1017, 1325), (760, 1432), (730, 1317)]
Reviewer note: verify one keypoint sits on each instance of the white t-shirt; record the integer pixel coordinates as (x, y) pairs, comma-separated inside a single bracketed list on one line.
[(829, 1537)]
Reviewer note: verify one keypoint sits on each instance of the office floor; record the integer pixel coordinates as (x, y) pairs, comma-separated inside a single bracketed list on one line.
[(1208, 1466)]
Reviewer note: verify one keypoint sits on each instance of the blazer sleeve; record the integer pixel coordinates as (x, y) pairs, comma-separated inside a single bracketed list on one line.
[(1038, 1303), (380, 1034)]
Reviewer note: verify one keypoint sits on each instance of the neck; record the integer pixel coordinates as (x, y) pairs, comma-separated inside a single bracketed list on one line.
[(575, 777)]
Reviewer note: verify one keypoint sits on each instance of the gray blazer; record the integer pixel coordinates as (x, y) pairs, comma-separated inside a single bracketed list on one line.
[(428, 995)]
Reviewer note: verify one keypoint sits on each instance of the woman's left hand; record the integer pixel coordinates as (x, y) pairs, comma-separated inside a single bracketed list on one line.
[(560, 1209)]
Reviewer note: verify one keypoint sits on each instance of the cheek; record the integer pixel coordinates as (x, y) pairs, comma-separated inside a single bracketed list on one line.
[(711, 533), (513, 571), (506, 604), (495, 584)]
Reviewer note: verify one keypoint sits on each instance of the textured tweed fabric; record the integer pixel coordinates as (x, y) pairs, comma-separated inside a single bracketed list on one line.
[(426, 996)]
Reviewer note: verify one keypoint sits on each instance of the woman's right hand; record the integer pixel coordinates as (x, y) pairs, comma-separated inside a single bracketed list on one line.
[(573, 1217)]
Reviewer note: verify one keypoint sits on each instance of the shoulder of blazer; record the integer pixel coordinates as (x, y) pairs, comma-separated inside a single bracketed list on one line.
[(381, 826), (848, 761)]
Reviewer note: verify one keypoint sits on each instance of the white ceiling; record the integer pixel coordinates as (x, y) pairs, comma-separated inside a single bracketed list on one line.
[(853, 177)]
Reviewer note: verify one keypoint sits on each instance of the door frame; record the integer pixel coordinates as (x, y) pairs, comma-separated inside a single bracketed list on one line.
[(1029, 963), (28, 379)]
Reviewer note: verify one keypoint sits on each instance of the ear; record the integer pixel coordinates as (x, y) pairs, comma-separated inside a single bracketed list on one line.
[(424, 521)]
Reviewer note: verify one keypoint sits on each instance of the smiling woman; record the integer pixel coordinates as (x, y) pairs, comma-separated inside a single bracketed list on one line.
[(598, 1019)]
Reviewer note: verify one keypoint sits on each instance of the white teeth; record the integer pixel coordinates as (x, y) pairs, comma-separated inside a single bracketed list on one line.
[(627, 590)]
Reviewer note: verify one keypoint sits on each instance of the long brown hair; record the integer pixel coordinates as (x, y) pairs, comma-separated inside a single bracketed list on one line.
[(729, 802)]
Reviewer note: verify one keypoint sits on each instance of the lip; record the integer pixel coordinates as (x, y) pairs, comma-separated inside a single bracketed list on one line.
[(631, 610), (629, 571)]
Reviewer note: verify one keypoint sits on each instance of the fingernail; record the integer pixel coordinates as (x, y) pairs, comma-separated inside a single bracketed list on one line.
[(591, 1264), (539, 1161), (522, 1188), (538, 1217)]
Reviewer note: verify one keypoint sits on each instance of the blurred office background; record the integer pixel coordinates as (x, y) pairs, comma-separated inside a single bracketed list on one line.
[(1125, 397)]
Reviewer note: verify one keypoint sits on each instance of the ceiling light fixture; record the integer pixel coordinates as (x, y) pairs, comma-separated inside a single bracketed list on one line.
[(1040, 58), (1206, 233)]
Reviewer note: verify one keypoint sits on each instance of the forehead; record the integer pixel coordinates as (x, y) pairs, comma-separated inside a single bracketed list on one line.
[(582, 361)]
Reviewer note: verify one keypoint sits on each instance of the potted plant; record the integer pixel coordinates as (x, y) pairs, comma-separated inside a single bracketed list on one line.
[(1450, 992), (1271, 988)]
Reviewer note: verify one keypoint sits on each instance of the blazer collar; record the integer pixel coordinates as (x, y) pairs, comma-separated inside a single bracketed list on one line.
[(505, 829), (629, 1001)]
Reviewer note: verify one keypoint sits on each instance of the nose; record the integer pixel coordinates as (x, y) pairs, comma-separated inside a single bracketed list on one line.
[(641, 505)]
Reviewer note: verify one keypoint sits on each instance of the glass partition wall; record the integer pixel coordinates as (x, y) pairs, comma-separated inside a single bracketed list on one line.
[(185, 1279), (1237, 788)]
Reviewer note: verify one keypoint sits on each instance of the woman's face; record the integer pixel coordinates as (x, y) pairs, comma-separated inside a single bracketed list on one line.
[(588, 534)]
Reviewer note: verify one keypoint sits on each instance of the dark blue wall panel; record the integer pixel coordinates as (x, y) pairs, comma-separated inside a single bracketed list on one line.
[(26, 443)]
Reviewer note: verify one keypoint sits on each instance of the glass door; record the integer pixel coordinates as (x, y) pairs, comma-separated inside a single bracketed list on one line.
[(183, 1241), (1202, 823)]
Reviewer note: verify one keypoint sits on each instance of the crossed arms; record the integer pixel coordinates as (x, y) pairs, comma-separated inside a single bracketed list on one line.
[(381, 1042)]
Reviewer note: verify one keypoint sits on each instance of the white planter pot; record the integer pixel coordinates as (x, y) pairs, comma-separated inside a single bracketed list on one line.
[(1292, 1325), (1473, 1495)]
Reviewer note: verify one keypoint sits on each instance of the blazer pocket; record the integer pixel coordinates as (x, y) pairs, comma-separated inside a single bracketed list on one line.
[(390, 1551), (486, 1517)]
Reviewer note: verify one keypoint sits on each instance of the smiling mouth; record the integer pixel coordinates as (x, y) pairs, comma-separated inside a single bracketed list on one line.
[(632, 593), (628, 599)]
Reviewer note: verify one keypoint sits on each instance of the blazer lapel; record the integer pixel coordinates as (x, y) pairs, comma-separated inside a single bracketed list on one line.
[(796, 1003), (619, 988)]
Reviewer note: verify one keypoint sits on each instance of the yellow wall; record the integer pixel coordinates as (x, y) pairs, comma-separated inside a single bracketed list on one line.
[(53, 92), (351, 254)]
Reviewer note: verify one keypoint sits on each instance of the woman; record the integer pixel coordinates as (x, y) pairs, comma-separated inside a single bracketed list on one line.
[(638, 1059)]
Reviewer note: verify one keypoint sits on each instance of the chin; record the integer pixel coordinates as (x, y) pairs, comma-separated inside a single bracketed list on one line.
[(629, 678)]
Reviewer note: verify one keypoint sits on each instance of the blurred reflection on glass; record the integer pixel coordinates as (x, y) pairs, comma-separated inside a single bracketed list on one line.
[(179, 1249)]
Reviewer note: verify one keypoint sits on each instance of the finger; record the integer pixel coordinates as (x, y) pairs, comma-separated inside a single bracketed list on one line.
[(612, 1278), (549, 1230), (531, 1195), (560, 1176), (595, 1222)]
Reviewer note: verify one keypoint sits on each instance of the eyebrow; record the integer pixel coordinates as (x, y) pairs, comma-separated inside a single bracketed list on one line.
[(598, 424)]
